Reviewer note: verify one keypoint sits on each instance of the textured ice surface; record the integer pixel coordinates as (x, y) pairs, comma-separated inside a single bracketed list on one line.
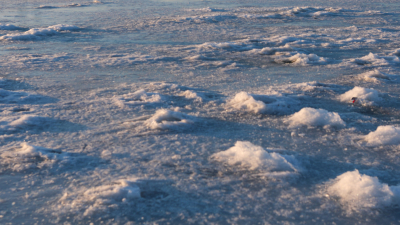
[(37, 33), (166, 119)]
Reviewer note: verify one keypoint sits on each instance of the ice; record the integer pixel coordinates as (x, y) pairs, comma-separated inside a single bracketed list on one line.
[(36, 33), (101, 198), (365, 96), (384, 135), (189, 94), (376, 60), (137, 98), (166, 119), (301, 59), (248, 156), (357, 192), (9, 27), (30, 157), (311, 117)]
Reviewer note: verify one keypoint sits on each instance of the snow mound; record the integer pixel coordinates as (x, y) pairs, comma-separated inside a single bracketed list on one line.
[(101, 198), (252, 157), (137, 98), (357, 192), (375, 60), (36, 33), (166, 119), (365, 96), (29, 157), (261, 103), (315, 118), (9, 27), (191, 95), (30, 120), (384, 135), (301, 59), (374, 76)]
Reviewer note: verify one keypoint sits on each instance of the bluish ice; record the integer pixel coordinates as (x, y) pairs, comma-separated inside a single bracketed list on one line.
[(201, 112)]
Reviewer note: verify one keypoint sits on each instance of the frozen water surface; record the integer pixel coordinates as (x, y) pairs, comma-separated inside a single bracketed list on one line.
[(203, 112)]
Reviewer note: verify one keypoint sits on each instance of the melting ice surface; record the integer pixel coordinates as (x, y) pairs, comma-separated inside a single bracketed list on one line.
[(203, 112)]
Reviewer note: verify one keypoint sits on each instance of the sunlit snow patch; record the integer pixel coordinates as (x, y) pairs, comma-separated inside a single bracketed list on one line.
[(364, 96), (29, 157), (375, 60), (301, 59), (137, 98), (311, 117), (252, 157), (374, 76), (357, 192), (261, 103), (166, 119), (36, 33), (101, 198), (189, 94), (384, 135)]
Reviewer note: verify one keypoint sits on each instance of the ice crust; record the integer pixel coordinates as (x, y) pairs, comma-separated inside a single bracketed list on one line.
[(9, 27), (365, 96), (101, 198), (311, 117), (357, 192), (384, 135), (246, 155), (36, 33), (166, 119)]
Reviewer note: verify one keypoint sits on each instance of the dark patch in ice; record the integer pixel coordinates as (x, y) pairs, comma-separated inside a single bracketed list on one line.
[(153, 194)]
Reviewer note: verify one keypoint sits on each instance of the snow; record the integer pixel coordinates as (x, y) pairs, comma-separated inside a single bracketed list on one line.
[(357, 192), (36, 33), (301, 59), (248, 156), (365, 96), (384, 135), (311, 117), (9, 27), (166, 119), (137, 98), (101, 198), (374, 76)]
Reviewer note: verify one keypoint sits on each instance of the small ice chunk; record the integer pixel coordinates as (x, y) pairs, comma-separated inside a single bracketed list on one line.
[(364, 96), (64, 27), (252, 157), (358, 191), (244, 101), (35, 33), (315, 118), (191, 95), (138, 97), (384, 135), (301, 59), (166, 119)]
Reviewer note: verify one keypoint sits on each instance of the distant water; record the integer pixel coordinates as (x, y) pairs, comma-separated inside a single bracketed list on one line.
[(203, 112)]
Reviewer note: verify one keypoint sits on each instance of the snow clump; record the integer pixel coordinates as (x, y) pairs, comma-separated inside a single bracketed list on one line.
[(36, 33), (356, 192), (136, 98), (384, 135), (364, 96), (374, 76), (252, 157), (315, 118), (166, 119)]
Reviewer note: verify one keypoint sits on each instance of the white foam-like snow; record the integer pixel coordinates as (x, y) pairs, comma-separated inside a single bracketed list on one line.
[(365, 96), (35, 33), (246, 155), (357, 192), (384, 135), (263, 104), (375, 60), (101, 198), (137, 98), (311, 117), (374, 76), (301, 59), (189, 94), (30, 156), (166, 119), (29, 120)]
